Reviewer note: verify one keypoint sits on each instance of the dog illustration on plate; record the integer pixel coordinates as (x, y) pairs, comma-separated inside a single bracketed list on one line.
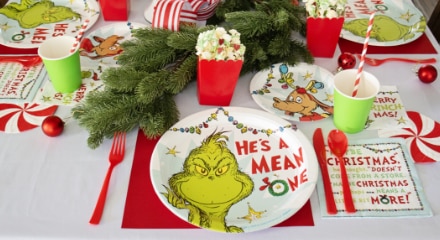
[(302, 101), (106, 47)]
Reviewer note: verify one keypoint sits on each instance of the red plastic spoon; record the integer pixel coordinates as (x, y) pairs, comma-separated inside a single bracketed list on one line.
[(338, 144)]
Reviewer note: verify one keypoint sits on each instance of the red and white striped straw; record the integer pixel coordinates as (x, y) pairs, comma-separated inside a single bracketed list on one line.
[(364, 52), (80, 35)]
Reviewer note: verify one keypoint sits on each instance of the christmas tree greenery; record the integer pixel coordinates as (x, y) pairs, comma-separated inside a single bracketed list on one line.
[(158, 64)]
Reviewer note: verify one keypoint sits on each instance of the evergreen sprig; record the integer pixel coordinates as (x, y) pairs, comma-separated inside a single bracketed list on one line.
[(158, 64)]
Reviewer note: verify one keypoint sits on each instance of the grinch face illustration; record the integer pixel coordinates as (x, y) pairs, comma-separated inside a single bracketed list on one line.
[(209, 184), (31, 14), (385, 28)]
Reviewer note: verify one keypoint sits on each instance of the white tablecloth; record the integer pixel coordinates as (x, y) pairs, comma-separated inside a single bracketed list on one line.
[(49, 186)]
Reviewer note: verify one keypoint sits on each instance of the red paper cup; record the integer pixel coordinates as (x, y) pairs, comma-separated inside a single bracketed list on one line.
[(115, 10), (323, 35), (216, 81)]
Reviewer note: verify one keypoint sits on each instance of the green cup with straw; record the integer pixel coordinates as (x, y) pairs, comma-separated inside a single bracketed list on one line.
[(62, 64), (350, 113), (61, 59), (354, 93)]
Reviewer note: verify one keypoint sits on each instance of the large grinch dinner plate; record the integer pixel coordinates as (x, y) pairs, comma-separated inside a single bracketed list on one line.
[(28, 23), (298, 93), (396, 22), (234, 169)]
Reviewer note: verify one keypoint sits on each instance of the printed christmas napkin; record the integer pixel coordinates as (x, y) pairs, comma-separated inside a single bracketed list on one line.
[(388, 111), (18, 83), (383, 181)]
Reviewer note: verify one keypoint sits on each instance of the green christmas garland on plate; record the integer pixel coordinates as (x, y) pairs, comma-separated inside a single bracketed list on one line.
[(158, 64)]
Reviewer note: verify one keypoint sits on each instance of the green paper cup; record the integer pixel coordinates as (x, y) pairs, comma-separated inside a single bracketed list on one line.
[(62, 65), (350, 114)]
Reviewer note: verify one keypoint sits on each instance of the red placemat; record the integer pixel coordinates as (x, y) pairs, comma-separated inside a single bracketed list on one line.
[(142, 203), (422, 45)]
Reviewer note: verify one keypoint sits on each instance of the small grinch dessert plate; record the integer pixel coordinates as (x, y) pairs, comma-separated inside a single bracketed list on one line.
[(299, 93)]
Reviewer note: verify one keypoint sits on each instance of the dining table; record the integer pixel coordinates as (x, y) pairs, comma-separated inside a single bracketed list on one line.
[(49, 185)]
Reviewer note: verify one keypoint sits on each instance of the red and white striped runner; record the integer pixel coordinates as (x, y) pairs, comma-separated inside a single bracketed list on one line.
[(168, 14)]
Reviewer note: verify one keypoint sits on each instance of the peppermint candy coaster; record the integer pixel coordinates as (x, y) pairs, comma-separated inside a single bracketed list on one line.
[(15, 118), (423, 139)]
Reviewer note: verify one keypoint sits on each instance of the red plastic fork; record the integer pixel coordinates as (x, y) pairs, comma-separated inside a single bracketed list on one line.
[(116, 156), (377, 62), (26, 61)]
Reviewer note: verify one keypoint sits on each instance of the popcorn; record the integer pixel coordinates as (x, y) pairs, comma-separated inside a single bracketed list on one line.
[(325, 8), (218, 44)]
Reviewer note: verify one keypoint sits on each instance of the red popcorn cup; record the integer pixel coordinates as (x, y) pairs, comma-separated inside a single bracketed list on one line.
[(323, 35), (216, 81), (115, 10)]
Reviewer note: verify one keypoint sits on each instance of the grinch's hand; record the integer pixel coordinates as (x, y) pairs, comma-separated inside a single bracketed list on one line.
[(234, 229), (174, 200)]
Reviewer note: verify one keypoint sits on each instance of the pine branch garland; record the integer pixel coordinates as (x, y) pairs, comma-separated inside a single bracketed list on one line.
[(116, 78), (183, 75), (159, 116), (158, 64), (151, 87), (183, 40)]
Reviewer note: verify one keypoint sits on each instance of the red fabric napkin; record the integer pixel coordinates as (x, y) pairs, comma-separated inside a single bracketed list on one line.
[(422, 45), (143, 209), (17, 51)]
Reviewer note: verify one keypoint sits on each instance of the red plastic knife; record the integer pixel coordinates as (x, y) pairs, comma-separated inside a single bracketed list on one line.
[(319, 145)]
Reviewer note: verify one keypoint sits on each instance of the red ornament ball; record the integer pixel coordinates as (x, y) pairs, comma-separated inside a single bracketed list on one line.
[(427, 73), (52, 126), (346, 61)]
